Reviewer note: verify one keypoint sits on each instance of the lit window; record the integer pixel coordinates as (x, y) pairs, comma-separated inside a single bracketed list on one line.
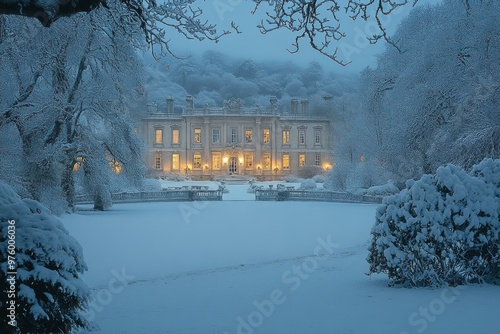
[(157, 160), (175, 136), (302, 137), (175, 161), (317, 159), (317, 137), (197, 161), (286, 136), (234, 136), (158, 136), (248, 136), (286, 161), (197, 135), (266, 160), (216, 160), (266, 138), (302, 159), (248, 160), (216, 136)]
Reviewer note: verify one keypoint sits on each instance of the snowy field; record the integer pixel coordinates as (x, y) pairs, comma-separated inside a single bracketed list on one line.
[(256, 267)]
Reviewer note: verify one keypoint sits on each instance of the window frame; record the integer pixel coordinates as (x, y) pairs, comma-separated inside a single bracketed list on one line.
[(285, 137), (265, 156), (268, 137), (178, 161), (317, 136), (216, 166), (218, 136), (176, 140), (159, 131), (302, 160), (158, 161), (302, 137), (197, 156), (317, 159), (197, 135), (249, 160), (234, 135), (287, 166), (248, 136)]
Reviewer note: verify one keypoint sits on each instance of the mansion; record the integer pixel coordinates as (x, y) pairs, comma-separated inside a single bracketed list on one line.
[(233, 140)]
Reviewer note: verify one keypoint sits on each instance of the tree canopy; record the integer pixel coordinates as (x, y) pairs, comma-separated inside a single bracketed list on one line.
[(316, 22)]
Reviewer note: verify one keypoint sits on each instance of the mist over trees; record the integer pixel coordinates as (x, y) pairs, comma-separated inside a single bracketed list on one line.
[(213, 77), (436, 102)]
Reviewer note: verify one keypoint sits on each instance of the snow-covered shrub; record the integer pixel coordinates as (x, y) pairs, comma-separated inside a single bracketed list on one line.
[(49, 291), (381, 190), (151, 185), (338, 177), (292, 179), (308, 184), (441, 229), (308, 171), (320, 178)]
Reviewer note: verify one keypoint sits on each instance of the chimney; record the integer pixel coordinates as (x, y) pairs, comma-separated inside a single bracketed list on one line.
[(295, 106), (170, 105), (189, 104), (274, 104), (305, 107)]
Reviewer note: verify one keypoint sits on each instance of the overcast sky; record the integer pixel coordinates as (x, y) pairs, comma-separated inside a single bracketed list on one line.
[(251, 44)]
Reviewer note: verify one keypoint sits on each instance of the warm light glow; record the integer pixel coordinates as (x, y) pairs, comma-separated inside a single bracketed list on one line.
[(258, 167), (116, 166), (206, 167), (327, 166), (241, 160), (224, 160), (78, 163)]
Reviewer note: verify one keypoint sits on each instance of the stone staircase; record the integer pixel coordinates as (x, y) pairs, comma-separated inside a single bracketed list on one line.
[(237, 179)]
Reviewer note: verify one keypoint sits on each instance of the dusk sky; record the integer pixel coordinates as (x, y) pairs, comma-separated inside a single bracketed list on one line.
[(273, 46)]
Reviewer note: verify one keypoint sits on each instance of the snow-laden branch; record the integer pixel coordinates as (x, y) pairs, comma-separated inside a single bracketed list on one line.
[(318, 22)]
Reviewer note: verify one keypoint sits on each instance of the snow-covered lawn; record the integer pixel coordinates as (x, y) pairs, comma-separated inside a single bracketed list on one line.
[(250, 267)]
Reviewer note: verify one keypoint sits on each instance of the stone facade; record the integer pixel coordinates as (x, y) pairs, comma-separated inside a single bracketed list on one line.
[(234, 140)]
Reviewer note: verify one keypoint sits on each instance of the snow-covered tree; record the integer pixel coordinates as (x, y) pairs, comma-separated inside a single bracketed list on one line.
[(438, 101), (70, 99), (441, 229), (49, 292)]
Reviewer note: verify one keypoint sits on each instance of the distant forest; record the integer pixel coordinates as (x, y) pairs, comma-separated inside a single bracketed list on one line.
[(213, 77)]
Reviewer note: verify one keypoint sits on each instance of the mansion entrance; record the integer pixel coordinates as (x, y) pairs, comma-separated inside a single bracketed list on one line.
[(233, 165)]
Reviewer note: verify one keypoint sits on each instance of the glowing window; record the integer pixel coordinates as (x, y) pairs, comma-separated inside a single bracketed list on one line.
[(197, 161), (216, 160), (158, 136), (286, 136), (175, 136), (197, 135), (286, 161), (302, 159), (175, 161), (266, 138)]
